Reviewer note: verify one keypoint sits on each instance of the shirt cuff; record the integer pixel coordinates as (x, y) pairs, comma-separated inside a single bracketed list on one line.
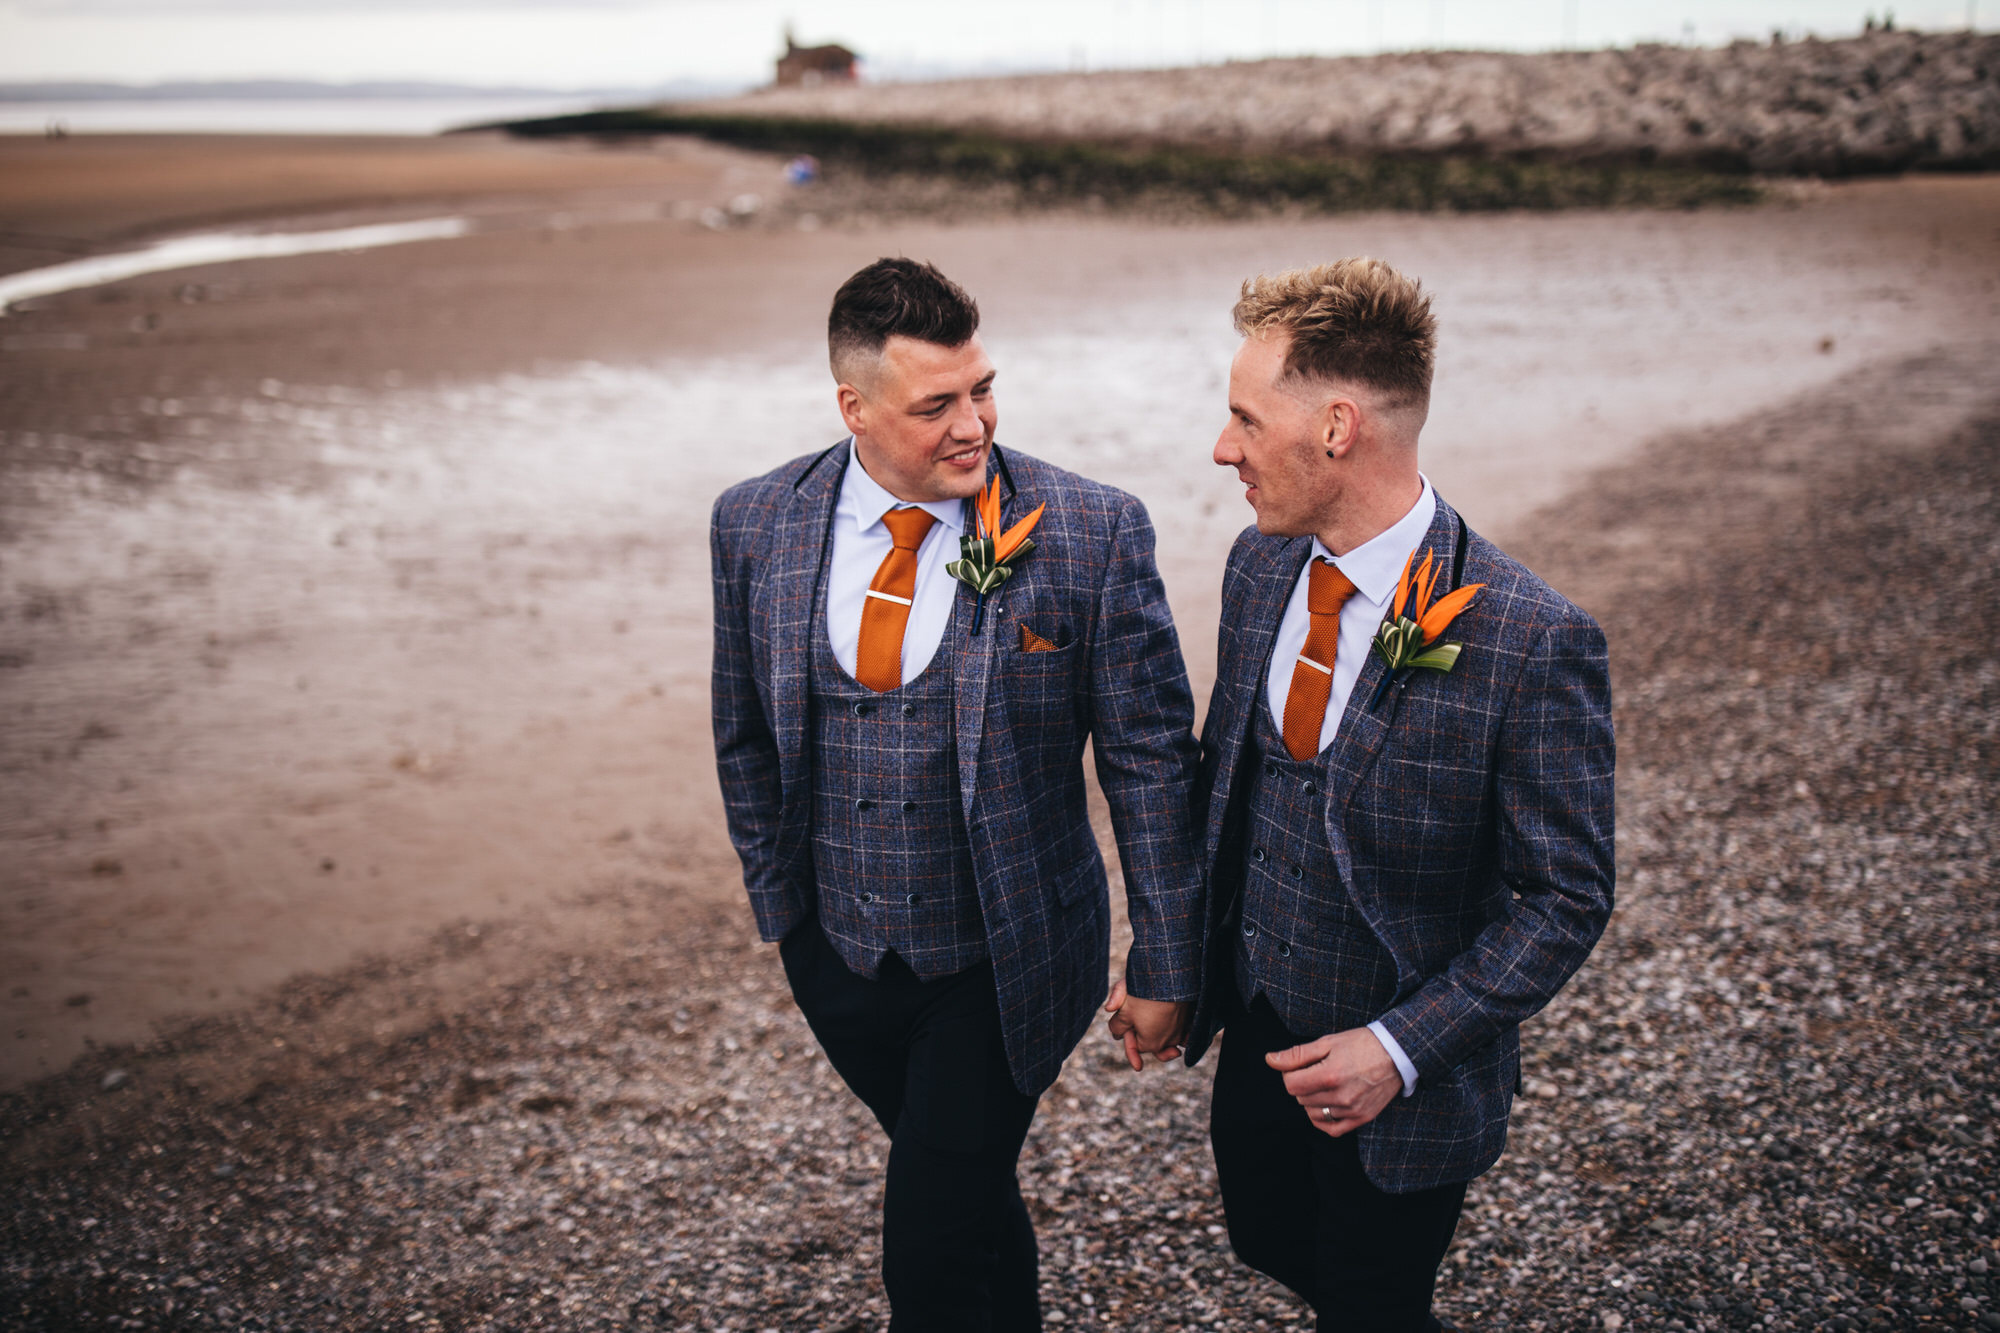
[(1395, 1050)]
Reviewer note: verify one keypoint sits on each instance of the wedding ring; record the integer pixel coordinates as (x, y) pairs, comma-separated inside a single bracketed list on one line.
[(1326, 1113)]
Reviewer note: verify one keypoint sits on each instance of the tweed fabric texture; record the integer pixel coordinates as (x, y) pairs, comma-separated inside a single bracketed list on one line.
[(1300, 940), (1469, 820), (891, 861), (1020, 722)]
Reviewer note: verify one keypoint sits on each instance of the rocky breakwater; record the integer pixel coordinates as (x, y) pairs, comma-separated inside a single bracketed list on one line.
[(1886, 101)]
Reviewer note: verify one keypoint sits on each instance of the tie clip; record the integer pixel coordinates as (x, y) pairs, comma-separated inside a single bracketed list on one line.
[(904, 601), (1314, 665)]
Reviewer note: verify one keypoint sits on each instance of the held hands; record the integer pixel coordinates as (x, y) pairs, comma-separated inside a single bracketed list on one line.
[(1147, 1027), (1343, 1080)]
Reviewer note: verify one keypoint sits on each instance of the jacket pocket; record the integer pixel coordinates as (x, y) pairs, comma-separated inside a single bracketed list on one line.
[(1076, 883), (1031, 642)]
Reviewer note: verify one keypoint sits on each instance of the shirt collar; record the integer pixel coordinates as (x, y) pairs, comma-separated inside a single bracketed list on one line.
[(1374, 566), (866, 500)]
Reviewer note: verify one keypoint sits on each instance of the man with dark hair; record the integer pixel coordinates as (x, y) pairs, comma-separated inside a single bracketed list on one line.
[(1407, 838), (900, 735)]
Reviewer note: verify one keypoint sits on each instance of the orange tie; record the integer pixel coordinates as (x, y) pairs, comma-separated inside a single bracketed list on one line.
[(878, 658), (1312, 677)]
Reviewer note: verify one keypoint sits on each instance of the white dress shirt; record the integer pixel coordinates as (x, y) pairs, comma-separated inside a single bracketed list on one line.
[(860, 541), (1373, 568)]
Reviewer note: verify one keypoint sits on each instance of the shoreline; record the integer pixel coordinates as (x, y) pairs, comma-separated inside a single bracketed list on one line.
[(65, 198)]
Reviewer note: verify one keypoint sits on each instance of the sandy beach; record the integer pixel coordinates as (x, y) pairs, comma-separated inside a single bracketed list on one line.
[(361, 815)]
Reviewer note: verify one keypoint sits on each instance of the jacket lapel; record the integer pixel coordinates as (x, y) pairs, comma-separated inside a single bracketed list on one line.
[(1268, 578), (1363, 729), (799, 553), (973, 655)]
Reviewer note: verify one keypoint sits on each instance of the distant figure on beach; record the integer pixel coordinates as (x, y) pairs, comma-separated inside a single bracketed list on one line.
[(915, 633), (1407, 787)]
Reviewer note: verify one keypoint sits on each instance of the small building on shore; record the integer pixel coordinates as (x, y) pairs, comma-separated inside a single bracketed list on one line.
[(810, 66)]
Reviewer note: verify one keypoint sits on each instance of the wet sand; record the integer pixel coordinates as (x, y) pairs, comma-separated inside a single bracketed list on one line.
[(86, 193), (348, 599)]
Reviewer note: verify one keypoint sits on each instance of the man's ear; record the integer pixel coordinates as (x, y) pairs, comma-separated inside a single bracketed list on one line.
[(853, 409), (1339, 425)]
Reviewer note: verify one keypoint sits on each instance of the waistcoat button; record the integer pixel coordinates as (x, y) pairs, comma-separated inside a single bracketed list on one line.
[(1298, 872), (1311, 788), (1284, 951), (864, 804), (1270, 770), (916, 898), (1249, 930), (863, 709), (1259, 856), (909, 807), (867, 897), (909, 710)]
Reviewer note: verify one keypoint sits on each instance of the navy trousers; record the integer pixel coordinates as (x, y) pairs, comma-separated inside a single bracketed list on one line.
[(1299, 1207), (958, 1250)]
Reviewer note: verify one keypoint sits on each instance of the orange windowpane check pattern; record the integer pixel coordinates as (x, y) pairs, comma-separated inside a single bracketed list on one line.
[(878, 658), (1312, 677)]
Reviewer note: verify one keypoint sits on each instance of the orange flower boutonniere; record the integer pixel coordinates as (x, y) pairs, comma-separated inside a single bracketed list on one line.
[(1408, 642), (987, 556)]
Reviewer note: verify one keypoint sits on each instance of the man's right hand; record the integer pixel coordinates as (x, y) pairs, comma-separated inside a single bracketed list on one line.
[(1147, 1027)]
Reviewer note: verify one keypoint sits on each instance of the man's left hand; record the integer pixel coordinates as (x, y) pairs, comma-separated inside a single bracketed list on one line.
[(1343, 1080), (1147, 1027)]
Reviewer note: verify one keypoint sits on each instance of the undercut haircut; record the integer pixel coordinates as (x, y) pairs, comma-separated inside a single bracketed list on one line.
[(1355, 321), (892, 297)]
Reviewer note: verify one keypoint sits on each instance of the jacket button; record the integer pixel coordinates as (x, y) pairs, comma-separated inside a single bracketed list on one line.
[(909, 807), (868, 898), (863, 709), (915, 899), (909, 710), (1259, 856), (1298, 872), (864, 804), (1249, 930), (1284, 951)]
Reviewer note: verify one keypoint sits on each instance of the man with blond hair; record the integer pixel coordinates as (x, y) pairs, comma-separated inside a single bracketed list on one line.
[(1406, 799)]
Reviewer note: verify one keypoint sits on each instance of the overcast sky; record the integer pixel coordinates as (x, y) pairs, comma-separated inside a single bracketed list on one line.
[(637, 43)]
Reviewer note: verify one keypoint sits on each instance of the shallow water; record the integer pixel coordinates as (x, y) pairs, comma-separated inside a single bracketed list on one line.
[(218, 248)]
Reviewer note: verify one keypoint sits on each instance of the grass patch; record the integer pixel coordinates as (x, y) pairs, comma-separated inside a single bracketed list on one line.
[(1060, 171)]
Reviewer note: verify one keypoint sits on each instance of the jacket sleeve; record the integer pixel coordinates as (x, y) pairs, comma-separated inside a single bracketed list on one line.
[(746, 752), (1553, 784), (1142, 732)]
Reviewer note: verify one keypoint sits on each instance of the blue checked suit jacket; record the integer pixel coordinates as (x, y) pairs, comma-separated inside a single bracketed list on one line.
[(1021, 720), (1470, 818)]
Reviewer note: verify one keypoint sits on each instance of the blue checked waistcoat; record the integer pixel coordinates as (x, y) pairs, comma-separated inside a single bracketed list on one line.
[(1020, 720), (1468, 823), (891, 861), (1293, 903)]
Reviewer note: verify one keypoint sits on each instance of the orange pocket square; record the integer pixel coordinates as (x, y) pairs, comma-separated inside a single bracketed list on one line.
[(1032, 642)]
